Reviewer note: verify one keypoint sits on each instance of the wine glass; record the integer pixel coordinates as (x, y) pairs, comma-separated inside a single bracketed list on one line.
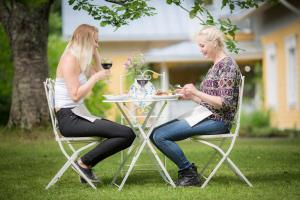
[(106, 64), (142, 80)]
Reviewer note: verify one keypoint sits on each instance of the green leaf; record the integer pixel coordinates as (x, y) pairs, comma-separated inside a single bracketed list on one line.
[(169, 1), (104, 23), (231, 6), (193, 14), (224, 3), (71, 2)]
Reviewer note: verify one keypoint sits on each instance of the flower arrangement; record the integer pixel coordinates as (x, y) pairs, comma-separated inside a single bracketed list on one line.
[(135, 64)]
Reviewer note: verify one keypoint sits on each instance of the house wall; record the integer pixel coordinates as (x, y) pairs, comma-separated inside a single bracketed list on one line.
[(282, 117)]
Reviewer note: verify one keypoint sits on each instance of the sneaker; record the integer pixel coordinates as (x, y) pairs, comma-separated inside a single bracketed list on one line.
[(89, 173)]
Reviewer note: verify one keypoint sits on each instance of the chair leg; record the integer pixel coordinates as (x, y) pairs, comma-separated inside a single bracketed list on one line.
[(208, 163), (59, 174), (211, 158), (213, 172), (237, 171)]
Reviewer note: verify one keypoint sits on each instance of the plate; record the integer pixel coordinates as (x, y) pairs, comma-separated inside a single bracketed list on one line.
[(115, 97), (174, 96)]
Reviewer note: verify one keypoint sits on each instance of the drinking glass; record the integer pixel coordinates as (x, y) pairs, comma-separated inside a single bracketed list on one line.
[(142, 80), (106, 64)]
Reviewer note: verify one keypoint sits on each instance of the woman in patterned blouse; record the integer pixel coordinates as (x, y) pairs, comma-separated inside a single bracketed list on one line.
[(219, 92)]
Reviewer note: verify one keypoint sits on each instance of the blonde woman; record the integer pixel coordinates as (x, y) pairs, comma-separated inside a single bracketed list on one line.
[(219, 92), (71, 86)]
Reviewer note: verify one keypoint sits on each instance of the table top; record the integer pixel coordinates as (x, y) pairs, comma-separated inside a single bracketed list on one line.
[(123, 99)]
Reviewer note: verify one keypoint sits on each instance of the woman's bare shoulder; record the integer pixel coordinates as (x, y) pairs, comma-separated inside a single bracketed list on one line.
[(67, 64), (68, 58)]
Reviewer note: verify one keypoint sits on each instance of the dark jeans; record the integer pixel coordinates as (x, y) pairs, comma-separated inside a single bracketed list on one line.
[(119, 137)]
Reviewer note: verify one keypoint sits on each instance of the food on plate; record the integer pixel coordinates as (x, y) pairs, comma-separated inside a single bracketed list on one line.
[(164, 93)]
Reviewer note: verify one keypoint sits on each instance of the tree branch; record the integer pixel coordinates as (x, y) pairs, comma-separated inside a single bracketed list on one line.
[(119, 2), (188, 11)]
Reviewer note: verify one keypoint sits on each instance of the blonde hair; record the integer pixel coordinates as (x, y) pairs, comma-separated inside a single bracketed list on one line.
[(81, 45), (212, 33)]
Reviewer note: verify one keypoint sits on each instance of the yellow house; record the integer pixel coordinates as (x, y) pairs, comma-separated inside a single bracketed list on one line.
[(281, 75), (277, 28)]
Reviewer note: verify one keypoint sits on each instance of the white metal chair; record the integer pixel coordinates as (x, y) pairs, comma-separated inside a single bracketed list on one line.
[(224, 153), (65, 143)]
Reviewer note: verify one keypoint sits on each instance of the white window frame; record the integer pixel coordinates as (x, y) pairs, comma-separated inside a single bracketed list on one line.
[(271, 75), (291, 73)]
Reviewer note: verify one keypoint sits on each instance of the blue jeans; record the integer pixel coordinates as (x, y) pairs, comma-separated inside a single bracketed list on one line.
[(165, 135)]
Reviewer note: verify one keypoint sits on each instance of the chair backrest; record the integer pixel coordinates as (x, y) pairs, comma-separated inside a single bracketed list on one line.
[(49, 90), (239, 107)]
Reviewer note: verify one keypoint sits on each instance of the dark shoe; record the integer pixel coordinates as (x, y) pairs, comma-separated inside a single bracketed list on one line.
[(188, 177), (89, 174)]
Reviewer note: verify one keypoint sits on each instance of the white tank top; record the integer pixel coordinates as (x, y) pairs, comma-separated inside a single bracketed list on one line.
[(62, 96)]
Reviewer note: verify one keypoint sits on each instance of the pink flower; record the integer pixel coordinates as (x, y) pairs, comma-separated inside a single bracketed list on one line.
[(127, 64)]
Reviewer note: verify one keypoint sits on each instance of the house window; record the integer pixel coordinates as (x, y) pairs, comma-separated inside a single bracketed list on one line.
[(291, 72), (271, 74)]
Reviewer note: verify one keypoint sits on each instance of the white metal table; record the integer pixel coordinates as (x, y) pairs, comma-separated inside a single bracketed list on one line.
[(143, 135)]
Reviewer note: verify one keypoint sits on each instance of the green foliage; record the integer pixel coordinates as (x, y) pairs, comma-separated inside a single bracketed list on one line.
[(6, 76), (94, 101), (55, 24), (257, 119), (118, 14), (257, 124), (55, 21), (56, 46)]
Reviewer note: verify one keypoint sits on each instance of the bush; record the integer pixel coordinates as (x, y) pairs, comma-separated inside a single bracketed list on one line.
[(257, 124), (56, 46)]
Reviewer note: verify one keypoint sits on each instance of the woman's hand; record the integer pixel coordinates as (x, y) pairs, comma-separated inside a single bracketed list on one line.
[(188, 91), (102, 74), (184, 95)]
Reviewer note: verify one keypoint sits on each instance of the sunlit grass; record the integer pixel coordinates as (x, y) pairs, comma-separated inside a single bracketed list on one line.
[(30, 160)]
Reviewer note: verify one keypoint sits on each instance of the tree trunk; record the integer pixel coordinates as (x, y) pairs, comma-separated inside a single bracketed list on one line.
[(28, 33)]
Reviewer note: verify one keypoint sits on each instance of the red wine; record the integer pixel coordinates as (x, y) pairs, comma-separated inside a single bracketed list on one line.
[(106, 65), (142, 82)]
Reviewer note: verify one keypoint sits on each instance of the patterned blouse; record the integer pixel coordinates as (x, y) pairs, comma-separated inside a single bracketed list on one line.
[(223, 79)]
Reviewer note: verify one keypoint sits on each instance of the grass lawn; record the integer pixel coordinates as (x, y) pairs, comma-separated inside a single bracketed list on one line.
[(29, 162)]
